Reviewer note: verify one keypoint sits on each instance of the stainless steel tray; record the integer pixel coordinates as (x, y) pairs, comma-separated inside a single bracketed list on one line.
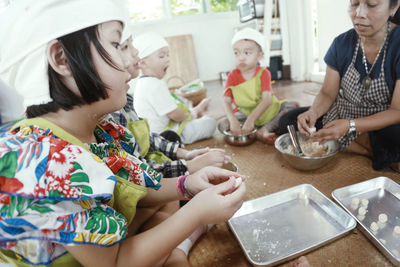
[(383, 195), (278, 227)]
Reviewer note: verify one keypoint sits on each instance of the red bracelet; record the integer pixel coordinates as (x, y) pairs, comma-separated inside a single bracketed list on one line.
[(181, 188)]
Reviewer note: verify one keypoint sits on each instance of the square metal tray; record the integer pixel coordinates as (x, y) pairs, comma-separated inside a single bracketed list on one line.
[(279, 227), (383, 195)]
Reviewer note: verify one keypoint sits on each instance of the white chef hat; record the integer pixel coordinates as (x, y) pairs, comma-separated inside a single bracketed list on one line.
[(127, 32), (26, 28), (249, 34), (148, 43)]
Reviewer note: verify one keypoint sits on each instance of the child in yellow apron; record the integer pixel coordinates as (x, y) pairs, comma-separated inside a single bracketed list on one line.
[(248, 98)]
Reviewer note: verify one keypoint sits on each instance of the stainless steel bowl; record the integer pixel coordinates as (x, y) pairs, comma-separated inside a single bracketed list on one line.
[(305, 163), (235, 140), (230, 166)]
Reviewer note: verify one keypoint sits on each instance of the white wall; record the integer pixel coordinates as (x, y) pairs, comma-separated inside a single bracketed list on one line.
[(333, 19), (212, 34)]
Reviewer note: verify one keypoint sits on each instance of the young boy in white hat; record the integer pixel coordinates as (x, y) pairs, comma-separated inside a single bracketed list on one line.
[(248, 97), (153, 101), (158, 152)]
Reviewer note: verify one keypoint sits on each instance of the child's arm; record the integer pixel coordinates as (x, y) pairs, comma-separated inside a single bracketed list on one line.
[(233, 121), (150, 248), (257, 112), (177, 115)]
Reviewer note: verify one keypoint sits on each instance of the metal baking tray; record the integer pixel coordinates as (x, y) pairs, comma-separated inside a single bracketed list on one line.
[(279, 227), (383, 195)]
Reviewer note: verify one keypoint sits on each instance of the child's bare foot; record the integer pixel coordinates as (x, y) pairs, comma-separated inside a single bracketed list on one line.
[(266, 137), (202, 107), (301, 262)]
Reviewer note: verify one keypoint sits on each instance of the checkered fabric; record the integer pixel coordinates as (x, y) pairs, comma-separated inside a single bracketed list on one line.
[(355, 101), (174, 168)]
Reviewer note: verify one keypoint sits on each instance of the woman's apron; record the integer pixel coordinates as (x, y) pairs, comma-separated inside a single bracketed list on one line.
[(248, 95), (181, 105), (141, 130), (124, 200), (355, 101)]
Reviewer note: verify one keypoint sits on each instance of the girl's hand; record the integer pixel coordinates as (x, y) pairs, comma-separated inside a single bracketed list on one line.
[(208, 177), (235, 126), (214, 157), (219, 202), (196, 152), (305, 121), (332, 131)]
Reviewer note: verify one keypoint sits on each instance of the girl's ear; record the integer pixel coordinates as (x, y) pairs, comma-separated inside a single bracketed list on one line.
[(57, 59)]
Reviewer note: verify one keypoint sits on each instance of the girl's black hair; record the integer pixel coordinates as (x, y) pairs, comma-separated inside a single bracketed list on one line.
[(76, 47), (396, 17)]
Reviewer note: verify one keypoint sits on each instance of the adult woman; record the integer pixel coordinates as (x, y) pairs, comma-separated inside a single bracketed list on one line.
[(361, 92)]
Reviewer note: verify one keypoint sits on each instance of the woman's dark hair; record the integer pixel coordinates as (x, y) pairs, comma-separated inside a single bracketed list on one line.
[(79, 58), (396, 17)]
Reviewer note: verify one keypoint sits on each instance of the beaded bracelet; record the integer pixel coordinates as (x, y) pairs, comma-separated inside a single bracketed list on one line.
[(181, 187)]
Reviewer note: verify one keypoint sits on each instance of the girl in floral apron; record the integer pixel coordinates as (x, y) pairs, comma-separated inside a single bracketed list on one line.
[(359, 103), (71, 191), (248, 98)]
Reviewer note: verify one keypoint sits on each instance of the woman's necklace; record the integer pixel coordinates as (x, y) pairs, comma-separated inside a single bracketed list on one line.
[(366, 82)]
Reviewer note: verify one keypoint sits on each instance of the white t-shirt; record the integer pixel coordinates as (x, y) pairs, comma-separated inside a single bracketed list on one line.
[(153, 101)]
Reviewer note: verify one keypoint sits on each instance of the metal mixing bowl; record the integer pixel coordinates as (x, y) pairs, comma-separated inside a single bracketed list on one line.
[(235, 140), (230, 166), (305, 163)]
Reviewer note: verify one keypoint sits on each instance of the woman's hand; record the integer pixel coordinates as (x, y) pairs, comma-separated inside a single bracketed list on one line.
[(305, 121), (219, 202), (332, 131), (213, 157), (208, 177)]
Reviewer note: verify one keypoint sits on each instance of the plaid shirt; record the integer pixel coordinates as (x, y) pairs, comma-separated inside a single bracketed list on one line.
[(174, 168)]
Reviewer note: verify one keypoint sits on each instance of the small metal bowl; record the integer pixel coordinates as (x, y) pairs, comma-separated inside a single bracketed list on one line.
[(235, 140), (305, 163), (230, 166)]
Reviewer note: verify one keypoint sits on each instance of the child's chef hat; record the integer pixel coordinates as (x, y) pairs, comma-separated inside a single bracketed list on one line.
[(127, 32), (249, 34), (148, 43), (26, 28)]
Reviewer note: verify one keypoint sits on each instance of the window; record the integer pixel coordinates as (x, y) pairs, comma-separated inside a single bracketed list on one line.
[(223, 5), (141, 10), (144, 10), (185, 7)]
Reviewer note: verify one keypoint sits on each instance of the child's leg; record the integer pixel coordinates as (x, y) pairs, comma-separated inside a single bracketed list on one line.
[(202, 107), (266, 136), (273, 125), (147, 218), (198, 129), (301, 262)]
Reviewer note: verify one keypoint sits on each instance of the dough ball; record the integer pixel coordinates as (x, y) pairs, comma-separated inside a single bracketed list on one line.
[(383, 218), (362, 211), (364, 202), (396, 230), (238, 182), (355, 201), (312, 130), (361, 217), (374, 227)]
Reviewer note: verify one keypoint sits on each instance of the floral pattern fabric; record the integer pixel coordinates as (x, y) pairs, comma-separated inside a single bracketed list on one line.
[(54, 193)]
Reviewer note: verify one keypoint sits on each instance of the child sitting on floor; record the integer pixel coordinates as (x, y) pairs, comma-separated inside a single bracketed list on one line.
[(71, 191), (248, 95), (153, 100), (153, 148)]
